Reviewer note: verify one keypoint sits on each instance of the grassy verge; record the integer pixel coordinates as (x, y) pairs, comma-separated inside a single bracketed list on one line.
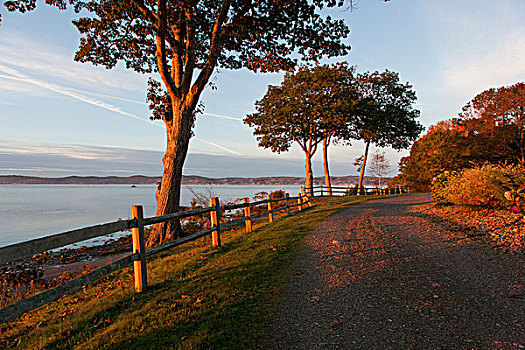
[(198, 296)]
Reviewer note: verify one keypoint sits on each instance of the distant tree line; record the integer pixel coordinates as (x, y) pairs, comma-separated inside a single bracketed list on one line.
[(488, 130)]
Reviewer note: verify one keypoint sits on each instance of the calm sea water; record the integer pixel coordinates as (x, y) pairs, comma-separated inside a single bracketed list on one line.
[(32, 211)]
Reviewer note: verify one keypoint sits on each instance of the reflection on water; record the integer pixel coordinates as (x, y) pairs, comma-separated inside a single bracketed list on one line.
[(31, 211)]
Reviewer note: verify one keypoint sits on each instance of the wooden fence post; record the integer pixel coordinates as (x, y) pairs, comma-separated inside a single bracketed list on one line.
[(287, 204), (248, 215), (215, 218), (139, 247), (321, 190), (300, 201), (270, 214), (304, 195)]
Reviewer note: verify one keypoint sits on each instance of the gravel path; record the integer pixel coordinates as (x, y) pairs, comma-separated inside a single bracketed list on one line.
[(378, 276)]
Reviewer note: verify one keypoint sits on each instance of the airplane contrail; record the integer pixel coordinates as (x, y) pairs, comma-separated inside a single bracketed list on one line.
[(66, 92), (31, 80), (78, 90), (109, 96), (222, 116), (216, 145), (16, 75)]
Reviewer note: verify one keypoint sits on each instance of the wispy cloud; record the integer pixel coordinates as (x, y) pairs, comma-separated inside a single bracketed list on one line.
[(13, 73), (67, 92), (42, 59), (18, 86), (81, 152), (38, 66), (478, 44), (58, 160), (35, 169), (503, 64)]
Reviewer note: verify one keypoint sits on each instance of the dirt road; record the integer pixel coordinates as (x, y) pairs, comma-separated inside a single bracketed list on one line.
[(378, 276)]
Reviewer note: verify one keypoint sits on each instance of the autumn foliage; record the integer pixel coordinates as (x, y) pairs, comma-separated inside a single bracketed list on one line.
[(489, 129)]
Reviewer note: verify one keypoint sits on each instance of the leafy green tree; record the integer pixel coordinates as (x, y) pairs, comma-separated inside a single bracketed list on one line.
[(385, 116), (184, 41), (309, 107)]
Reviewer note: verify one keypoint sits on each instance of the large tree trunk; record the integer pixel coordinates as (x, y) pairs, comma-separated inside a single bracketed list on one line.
[(328, 183), (178, 133), (309, 182), (363, 165)]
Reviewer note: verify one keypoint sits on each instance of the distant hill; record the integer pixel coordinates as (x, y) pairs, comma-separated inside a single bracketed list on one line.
[(186, 180)]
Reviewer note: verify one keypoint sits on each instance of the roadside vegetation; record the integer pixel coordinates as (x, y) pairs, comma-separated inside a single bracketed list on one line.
[(490, 129), (474, 165), (198, 296), (486, 201)]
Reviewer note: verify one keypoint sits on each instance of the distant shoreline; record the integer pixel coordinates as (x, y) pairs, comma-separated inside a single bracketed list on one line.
[(186, 180)]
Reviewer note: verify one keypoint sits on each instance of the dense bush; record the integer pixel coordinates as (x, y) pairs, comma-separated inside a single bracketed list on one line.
[(440, 185), (472, 187), (487, 185)]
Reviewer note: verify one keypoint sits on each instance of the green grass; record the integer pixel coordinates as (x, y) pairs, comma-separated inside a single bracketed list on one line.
[(198, 297)]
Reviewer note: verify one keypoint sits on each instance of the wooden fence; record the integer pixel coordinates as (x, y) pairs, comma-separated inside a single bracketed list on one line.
[(137, 257), (352, 191)]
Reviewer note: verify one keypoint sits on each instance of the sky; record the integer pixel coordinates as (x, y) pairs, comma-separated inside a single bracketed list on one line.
[(59, 117)]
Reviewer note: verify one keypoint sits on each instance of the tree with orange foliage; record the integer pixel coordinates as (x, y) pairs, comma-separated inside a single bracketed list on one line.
[(489, 129), (496, 116), (441, 148)]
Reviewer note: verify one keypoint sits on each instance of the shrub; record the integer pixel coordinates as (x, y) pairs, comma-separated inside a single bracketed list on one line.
[(440, 184), (488, 185), (277, 194), (471, 187), (508, 178)]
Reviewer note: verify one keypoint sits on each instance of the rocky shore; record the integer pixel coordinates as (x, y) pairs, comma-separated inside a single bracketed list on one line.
[(21, 279)]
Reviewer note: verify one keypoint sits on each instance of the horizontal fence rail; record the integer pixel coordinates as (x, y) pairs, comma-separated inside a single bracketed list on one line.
[(39, 245), (137, 256), (322, 191)]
